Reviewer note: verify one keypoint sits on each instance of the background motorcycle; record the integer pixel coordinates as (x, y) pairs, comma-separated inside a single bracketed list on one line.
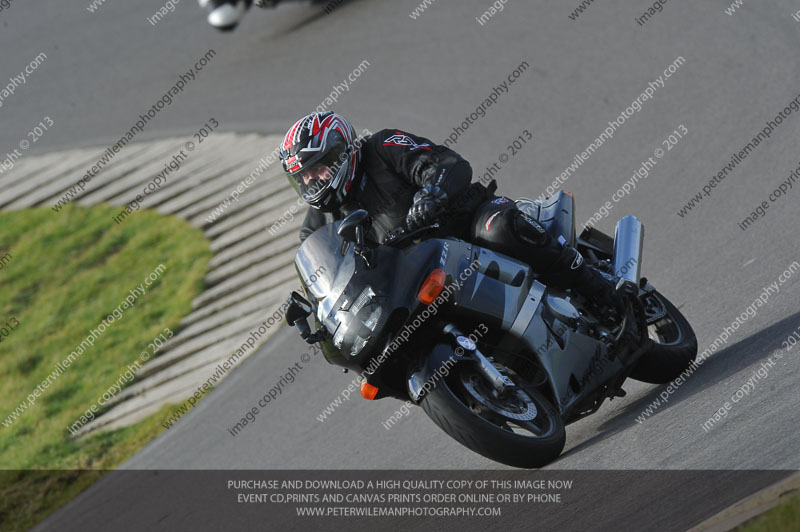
[(225, 15), (497, 359)]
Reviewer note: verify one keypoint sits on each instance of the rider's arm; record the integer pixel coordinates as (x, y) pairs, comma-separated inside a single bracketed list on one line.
[(422, 162), (314, 220)]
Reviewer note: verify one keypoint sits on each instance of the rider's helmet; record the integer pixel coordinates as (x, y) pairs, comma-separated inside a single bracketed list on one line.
[(320, 155)]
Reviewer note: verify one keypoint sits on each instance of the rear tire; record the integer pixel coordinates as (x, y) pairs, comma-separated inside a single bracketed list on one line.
[(674, 351), (445, 405)]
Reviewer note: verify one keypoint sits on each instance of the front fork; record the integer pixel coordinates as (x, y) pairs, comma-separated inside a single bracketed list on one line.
[(466, 347), (499, 382)]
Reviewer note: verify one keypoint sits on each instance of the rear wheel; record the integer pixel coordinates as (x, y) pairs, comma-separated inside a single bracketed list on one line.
[(520, 427), (675, 343)]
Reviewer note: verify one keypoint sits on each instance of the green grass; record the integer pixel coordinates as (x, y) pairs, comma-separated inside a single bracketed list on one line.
[(783, 518), (67, 272), (29, 496)]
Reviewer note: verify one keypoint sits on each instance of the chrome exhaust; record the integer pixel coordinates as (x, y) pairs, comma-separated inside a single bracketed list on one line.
[(628, 242)]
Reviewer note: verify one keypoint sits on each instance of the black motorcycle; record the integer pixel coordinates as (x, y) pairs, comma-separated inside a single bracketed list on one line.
[(497, 359)]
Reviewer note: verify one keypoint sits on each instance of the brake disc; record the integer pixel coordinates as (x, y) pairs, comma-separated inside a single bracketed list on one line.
[(519, 407)]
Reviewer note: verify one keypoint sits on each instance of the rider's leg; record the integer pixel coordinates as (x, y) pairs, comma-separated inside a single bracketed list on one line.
[(500, 226)]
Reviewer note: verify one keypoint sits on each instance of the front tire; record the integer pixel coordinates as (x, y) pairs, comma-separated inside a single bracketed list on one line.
[(675, 346), (452, 406)]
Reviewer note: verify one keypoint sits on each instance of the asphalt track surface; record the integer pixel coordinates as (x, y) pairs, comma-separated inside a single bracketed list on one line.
[(425, 75)]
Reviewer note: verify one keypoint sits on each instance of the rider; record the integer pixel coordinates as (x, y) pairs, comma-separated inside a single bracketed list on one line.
[(404, 180)]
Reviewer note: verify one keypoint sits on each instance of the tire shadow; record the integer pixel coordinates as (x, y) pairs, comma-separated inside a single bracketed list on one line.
[(716, 368)]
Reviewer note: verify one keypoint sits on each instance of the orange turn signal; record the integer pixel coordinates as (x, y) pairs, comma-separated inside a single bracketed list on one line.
[(368, 391), (432, 286)]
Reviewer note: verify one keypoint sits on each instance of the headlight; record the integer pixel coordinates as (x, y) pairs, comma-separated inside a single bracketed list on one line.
[(372, 319), (346, 317), (363, 298), (338, 338), (358, 345)]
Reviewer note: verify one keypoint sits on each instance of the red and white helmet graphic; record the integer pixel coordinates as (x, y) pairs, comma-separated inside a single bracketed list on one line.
[(320, 154)]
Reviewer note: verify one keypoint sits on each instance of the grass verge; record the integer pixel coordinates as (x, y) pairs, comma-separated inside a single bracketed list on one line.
[(27, 497), (783, 518), (63, 276)]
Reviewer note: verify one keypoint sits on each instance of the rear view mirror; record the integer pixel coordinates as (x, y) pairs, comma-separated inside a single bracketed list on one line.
[(297, 308), (351, 228)]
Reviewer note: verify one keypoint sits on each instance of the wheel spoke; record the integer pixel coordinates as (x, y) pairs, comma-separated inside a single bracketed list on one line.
[(518, 411), (665, 331), (532, 426)]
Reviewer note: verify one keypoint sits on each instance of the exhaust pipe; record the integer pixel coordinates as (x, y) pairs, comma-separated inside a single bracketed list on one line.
[(628, 241)]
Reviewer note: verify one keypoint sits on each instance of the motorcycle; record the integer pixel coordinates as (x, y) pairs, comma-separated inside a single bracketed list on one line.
[(496, 358), (225, 15)]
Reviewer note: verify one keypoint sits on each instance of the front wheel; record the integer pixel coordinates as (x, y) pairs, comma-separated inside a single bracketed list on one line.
[(519, 428), (675, 343)]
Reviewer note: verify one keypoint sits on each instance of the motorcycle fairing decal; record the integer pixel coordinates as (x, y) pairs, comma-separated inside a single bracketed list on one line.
[(401, 139), (577, 262)]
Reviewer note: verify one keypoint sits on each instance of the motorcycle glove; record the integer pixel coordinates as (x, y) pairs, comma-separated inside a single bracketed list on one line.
[(429, 203)]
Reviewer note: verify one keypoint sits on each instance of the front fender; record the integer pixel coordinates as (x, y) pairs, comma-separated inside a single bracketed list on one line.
[(436, 365)]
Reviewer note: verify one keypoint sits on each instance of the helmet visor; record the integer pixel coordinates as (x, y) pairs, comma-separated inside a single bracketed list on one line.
[(313, 180)]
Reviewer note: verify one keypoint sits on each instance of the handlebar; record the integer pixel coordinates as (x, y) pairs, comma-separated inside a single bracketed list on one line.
[(402, 235)]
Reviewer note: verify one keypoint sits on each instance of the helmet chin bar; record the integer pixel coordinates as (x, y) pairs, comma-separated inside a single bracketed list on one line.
[(335, 188), (318, 197)]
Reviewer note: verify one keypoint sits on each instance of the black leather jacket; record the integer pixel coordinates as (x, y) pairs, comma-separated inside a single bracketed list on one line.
[(394, 166)]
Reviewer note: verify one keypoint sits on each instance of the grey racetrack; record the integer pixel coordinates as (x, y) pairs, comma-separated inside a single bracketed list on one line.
[(426, 75)]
